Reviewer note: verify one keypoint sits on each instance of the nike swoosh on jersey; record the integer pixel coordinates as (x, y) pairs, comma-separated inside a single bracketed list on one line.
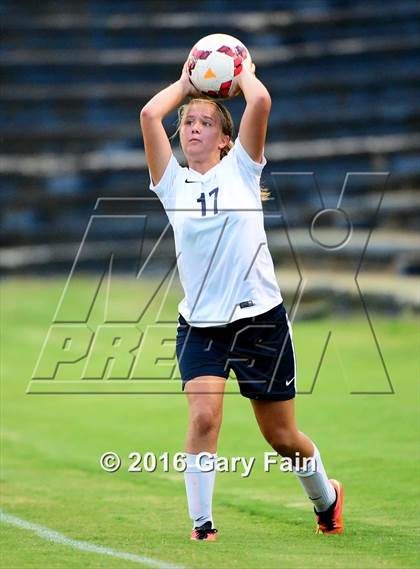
[(290, 381), (192, 182)]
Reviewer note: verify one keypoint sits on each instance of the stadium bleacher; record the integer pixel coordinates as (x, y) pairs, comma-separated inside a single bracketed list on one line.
[(344, 78)]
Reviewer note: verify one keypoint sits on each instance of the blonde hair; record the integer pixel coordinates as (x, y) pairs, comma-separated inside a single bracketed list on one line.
[(226, 123)]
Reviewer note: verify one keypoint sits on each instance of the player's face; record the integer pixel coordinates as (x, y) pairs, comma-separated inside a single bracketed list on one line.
[(201, 132)]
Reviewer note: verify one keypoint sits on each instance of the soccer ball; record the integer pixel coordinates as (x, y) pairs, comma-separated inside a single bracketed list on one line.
[(214, 63)]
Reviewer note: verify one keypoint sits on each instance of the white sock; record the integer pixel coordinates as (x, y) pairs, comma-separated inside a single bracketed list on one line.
[(199, 486), (316, 484)]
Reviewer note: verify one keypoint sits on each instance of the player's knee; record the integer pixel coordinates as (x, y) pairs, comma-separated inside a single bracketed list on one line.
[(282, 440), (204, 421)]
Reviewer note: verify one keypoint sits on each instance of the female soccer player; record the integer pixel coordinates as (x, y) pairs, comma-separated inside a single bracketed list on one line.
[(232, 315)]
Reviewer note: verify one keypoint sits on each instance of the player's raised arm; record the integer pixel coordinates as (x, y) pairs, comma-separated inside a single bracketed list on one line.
[(253, 127), (156, 143)]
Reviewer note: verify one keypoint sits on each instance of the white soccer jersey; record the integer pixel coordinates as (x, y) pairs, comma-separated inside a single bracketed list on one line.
[(224, 264)]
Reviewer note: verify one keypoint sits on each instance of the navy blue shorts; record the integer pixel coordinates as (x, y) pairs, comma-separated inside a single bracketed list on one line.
[(259, 349)]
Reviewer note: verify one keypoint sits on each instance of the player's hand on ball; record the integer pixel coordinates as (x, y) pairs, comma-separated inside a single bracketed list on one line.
[(190, 90), (246, 70)]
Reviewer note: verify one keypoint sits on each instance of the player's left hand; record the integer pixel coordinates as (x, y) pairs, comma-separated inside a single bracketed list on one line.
[(245, 71)]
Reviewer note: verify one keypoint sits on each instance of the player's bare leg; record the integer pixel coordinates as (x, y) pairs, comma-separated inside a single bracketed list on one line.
[(205, 404), (277, 423)]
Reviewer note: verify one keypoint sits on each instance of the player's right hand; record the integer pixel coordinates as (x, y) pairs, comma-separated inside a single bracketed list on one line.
[(190, 90)]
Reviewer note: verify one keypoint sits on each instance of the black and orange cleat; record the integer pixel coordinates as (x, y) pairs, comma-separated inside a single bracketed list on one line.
[(331, 521), (204, 533)]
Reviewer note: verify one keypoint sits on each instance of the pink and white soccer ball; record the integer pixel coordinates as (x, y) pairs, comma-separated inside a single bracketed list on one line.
[(215, 62)]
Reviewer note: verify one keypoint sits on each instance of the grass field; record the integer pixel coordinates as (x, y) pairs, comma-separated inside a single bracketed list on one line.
[(51, 445)]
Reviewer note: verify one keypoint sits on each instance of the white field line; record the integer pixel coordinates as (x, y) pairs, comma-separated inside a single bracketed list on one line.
[(61, 539)]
